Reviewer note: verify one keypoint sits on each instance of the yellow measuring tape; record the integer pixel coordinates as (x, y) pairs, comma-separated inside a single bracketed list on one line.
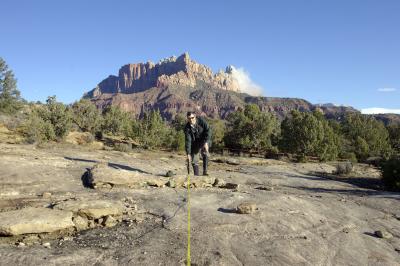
[(188, 227)]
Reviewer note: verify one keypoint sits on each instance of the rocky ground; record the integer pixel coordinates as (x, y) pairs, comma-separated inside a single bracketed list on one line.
[(74, 205)]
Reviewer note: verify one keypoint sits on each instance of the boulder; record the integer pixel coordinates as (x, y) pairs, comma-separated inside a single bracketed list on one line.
[(34, 220)]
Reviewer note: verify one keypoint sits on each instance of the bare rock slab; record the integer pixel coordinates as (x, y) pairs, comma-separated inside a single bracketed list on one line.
[(103, 176), (92, 209), (34, 220)]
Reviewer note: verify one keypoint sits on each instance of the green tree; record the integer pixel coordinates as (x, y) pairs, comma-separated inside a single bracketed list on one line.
[(117, 122), (218, 129), (366, 136), (391, 174), (153, 132), (251, 129), (58, 115), (49, 122), (308, 134), (179, 122), (86, 116), (38, 130), (177, 133), (10, 100), (394, 136)]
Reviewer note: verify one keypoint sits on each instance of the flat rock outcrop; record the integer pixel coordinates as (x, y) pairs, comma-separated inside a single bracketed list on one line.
[(104, 176), (92, 209), (34, 220)]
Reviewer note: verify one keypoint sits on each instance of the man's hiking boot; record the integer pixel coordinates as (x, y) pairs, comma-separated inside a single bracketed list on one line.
[(196, 169)]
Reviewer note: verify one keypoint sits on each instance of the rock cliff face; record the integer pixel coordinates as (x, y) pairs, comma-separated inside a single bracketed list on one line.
[(179, 84), (181, 71)]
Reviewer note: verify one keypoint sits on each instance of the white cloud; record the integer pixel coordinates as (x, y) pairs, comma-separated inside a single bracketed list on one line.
[(245, 83), (377, 110), (387, 89)]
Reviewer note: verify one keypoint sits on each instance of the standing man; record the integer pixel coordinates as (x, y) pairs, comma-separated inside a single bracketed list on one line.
[(197, 138)]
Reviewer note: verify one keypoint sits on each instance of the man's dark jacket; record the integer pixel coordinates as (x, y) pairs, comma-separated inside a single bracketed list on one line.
[(196, 136)]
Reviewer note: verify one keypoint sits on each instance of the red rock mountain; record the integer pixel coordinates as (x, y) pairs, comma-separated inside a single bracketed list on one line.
[(179, 84)]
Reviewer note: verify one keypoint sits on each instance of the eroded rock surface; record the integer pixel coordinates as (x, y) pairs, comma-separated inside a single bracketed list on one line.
[(34, 220), (92, 209)]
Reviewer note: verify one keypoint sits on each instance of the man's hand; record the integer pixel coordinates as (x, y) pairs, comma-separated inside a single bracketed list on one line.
[(189, 158)]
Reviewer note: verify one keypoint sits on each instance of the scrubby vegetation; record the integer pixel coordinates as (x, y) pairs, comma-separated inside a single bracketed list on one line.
[(344, 168), (365, 137), (391, 174), (309, 134), (249, 128)]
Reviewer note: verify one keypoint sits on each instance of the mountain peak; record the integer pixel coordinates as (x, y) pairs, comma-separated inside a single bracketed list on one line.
[(170, 71)]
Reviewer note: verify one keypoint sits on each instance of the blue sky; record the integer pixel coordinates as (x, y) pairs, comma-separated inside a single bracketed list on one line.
[(343, 52)]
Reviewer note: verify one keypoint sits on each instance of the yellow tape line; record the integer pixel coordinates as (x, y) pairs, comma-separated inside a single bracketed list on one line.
[(188, 240)]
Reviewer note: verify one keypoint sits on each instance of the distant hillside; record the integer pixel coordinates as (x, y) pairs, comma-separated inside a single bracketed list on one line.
[(179, 84), (388, 119)]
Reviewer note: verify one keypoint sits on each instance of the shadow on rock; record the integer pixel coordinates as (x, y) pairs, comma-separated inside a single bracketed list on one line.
[(128, 168), (227, 210), (113, 165)]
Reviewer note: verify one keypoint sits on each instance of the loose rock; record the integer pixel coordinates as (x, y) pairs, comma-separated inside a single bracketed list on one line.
[(219, 182), (383, 234), (156, 183), (46, 195), (109, 221), (171, 183), (246, 208), (81, 223), (169, 173)]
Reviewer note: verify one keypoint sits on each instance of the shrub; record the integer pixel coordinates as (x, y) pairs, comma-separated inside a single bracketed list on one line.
[(37, 130), (178, 143), (351, 156), (153, 132), (344, 168), (391, 174), (48, 122), (58, 115), (251, 129), (307, 134), (366, 136), (123, 147), (86, 116), (218, 129), (394, 135), (117, 122)]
